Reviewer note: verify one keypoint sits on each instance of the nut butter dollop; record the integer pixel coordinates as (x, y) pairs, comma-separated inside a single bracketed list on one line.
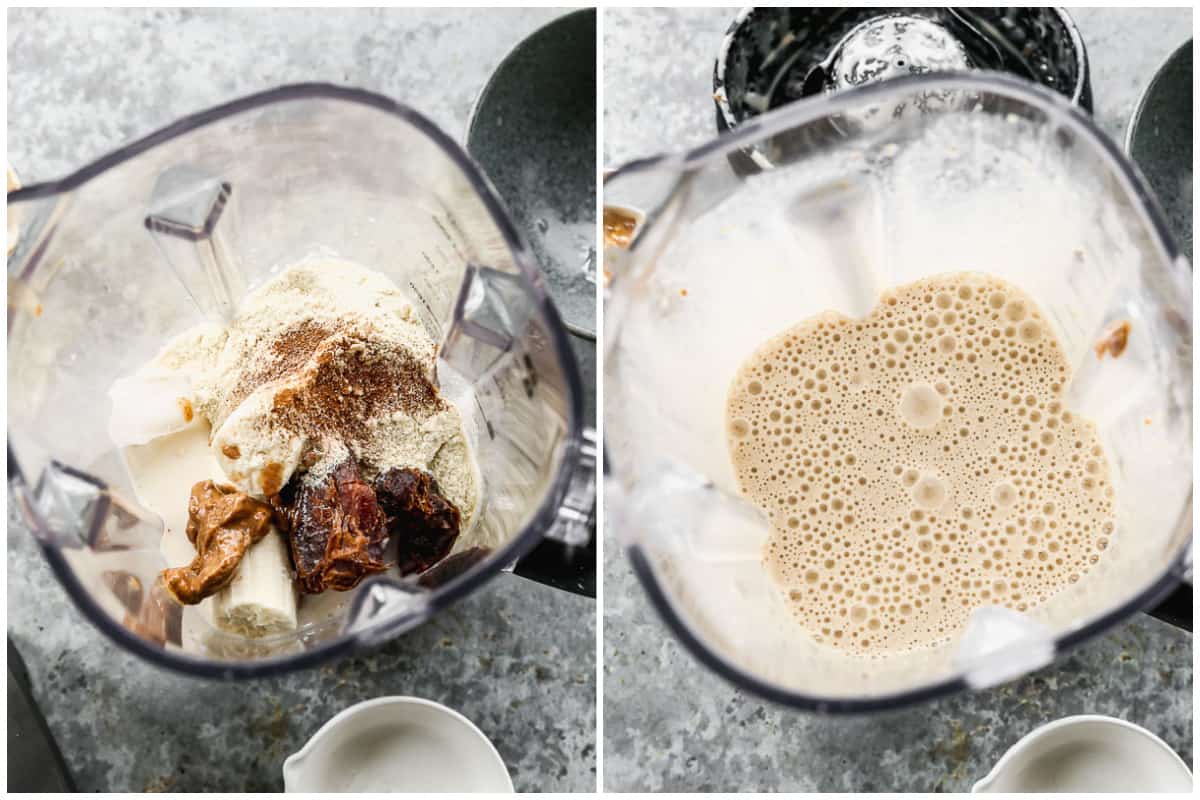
[(619, 227), (222, 523), (1112, 342)]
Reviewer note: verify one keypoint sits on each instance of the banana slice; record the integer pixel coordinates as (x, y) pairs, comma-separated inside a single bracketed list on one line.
[(261, 600), (257, 457)]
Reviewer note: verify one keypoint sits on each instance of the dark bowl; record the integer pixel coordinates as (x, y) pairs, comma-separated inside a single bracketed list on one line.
[(1159, 140), (533, 131), (767, 52)]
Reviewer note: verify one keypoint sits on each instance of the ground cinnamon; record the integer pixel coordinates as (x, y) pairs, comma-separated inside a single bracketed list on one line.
[(348, 382)]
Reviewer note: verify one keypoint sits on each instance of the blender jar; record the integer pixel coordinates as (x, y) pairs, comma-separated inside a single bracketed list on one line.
[(871, 188), (116, 259)]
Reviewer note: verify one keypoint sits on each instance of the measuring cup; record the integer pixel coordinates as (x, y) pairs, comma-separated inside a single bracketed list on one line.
[(119, 257), (871, 188)]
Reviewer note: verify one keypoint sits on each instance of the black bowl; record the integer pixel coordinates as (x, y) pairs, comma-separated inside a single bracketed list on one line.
[(767, 53), (1159, 140), (533, 131)]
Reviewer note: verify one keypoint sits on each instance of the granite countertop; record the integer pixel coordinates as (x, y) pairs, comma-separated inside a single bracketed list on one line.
[(516, 658), (669, 723)]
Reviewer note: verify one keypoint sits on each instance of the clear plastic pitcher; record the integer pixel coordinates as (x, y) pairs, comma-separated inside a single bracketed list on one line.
[(116, 259), (873, 188)]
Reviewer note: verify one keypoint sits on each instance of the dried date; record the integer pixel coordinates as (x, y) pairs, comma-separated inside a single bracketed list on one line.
[(423, 522), (336, 530)]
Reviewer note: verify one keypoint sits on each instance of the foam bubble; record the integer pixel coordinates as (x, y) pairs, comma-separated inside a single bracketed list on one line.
[(1004, 494), (921, 406), (1015, 311), (930, 492), (1029, 332)]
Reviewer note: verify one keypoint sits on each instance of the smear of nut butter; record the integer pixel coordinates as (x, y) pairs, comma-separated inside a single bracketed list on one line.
[(1114, 339), (619, 227)]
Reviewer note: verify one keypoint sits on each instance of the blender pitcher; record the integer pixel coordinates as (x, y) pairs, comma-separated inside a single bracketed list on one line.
[(875, 187), (116, 259)]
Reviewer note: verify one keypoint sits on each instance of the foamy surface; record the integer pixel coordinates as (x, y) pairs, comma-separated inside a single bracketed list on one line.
[(919, 463)]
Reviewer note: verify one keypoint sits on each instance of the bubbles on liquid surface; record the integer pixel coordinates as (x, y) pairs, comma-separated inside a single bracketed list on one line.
[(918, 463)]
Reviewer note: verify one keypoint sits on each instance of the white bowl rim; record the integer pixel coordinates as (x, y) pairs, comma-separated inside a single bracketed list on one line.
[(291, 763), (1028, 739)]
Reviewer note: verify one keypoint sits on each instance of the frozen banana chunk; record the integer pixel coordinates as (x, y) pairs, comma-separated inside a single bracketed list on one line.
[(261, 599), (257, 457)]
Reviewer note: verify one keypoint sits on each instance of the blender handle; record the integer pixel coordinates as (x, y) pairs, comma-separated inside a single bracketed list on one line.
[(1176, 609), (566, 557)]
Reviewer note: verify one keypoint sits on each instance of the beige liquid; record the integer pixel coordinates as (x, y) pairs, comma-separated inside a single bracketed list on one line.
[(163, 472), (918, 464)]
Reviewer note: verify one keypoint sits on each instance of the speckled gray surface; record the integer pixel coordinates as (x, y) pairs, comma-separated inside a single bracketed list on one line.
[(516, 658), (669, 724)]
